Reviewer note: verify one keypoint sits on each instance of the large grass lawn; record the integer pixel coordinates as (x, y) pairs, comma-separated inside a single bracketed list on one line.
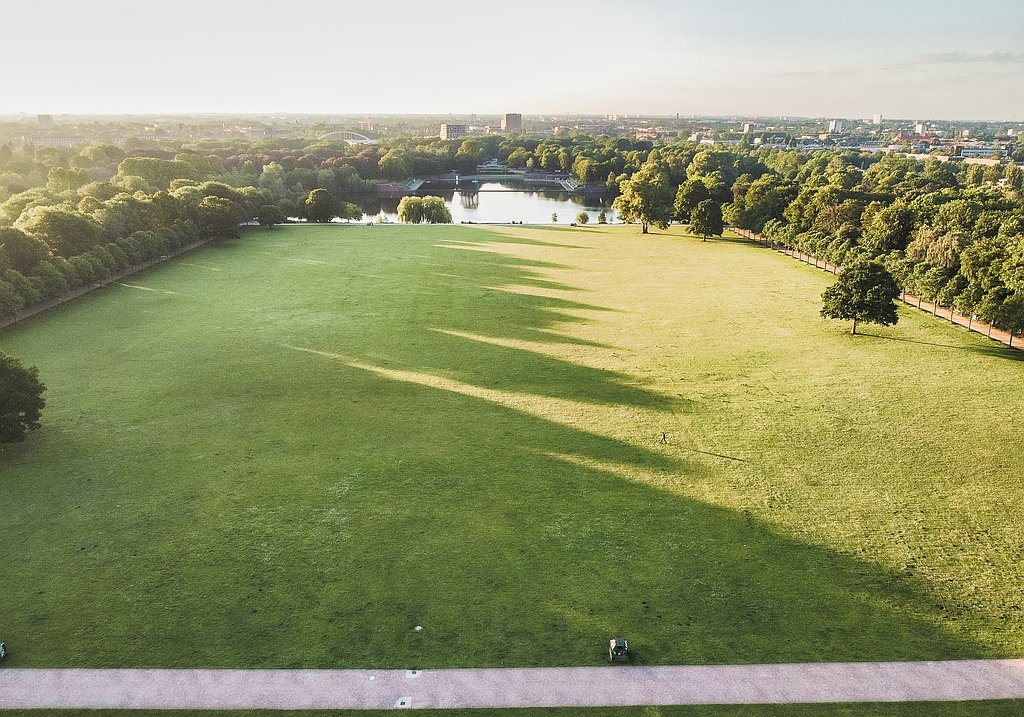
[(292, 449)]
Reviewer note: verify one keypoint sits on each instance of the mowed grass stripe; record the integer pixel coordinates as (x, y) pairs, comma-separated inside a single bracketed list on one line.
[(468, 441)]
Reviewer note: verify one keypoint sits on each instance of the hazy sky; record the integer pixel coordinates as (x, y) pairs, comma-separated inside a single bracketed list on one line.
[(936, 59)]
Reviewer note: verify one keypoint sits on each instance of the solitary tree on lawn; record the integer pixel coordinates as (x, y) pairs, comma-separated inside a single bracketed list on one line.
[(865, 291), (21, 399), (647, 196), (706, 219)]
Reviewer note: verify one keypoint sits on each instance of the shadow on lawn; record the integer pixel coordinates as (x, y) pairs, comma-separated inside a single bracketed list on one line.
[(517, 539), (519, 238), (467, 319), (388, 502), (1005, 352)]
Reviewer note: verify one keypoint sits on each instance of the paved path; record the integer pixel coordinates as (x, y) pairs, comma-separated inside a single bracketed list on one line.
[(513, 687)]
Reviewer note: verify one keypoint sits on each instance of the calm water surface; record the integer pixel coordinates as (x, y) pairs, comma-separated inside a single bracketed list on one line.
[(502, 203)]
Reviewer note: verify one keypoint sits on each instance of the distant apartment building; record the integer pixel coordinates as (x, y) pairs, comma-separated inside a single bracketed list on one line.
[(748, 127), (454, 131), (983, 151), (836, 126), (65, 141), (512, 122), (876, 120)]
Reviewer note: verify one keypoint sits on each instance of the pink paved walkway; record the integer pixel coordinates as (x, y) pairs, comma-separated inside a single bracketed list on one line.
[(513, 687)]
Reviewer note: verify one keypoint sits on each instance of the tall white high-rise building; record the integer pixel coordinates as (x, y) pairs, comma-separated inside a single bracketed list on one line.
[(836, 126)]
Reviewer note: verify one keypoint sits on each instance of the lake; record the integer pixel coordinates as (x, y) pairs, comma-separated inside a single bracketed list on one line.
[(501, 203)]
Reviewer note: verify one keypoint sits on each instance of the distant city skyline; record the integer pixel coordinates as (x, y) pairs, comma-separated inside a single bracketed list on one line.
[(950, 60)]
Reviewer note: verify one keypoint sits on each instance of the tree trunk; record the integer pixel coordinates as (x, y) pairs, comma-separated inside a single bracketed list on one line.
[(855, 327)]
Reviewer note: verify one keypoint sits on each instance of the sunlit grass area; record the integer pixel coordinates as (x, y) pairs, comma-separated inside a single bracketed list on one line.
[(292, 449)]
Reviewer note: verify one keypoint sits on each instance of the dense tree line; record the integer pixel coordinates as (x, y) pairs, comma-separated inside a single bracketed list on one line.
[(947, 232), (70, 219), (55, 238), (951, 233)]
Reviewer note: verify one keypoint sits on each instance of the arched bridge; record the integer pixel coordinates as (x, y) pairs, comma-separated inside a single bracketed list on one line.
[(350, 137)]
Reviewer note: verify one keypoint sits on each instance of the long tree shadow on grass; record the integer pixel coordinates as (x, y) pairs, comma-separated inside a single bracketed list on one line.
[(480, 320), (1005, 352), (511, 539), (699, 583), (387, 476)]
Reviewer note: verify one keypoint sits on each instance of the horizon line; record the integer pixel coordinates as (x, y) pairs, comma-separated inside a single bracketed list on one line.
[(566, 114)]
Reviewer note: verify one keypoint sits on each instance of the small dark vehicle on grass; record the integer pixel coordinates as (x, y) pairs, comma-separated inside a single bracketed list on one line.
[(618, 650)]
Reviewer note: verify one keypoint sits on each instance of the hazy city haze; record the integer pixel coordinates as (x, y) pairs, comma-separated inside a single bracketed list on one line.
[(941, 59)]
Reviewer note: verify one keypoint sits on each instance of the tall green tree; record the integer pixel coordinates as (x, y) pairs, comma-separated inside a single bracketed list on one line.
[(270, 214), (1011, 316), (64, 231), (321, 206), (66, 180), (157, 172), (647, 195), (21, 399), (766, 199), (11, 301), (410, 209), (706, 220), (889, 229), (864, 291), (19, 251), (416, 210), (1014, 176), (690, 193), (218, 217), (435, 211)]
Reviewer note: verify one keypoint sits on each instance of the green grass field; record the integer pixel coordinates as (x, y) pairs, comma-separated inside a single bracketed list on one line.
[(290, 450)]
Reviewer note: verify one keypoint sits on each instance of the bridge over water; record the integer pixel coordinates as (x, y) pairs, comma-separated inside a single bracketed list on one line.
[(472, 182), (350, 137)]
